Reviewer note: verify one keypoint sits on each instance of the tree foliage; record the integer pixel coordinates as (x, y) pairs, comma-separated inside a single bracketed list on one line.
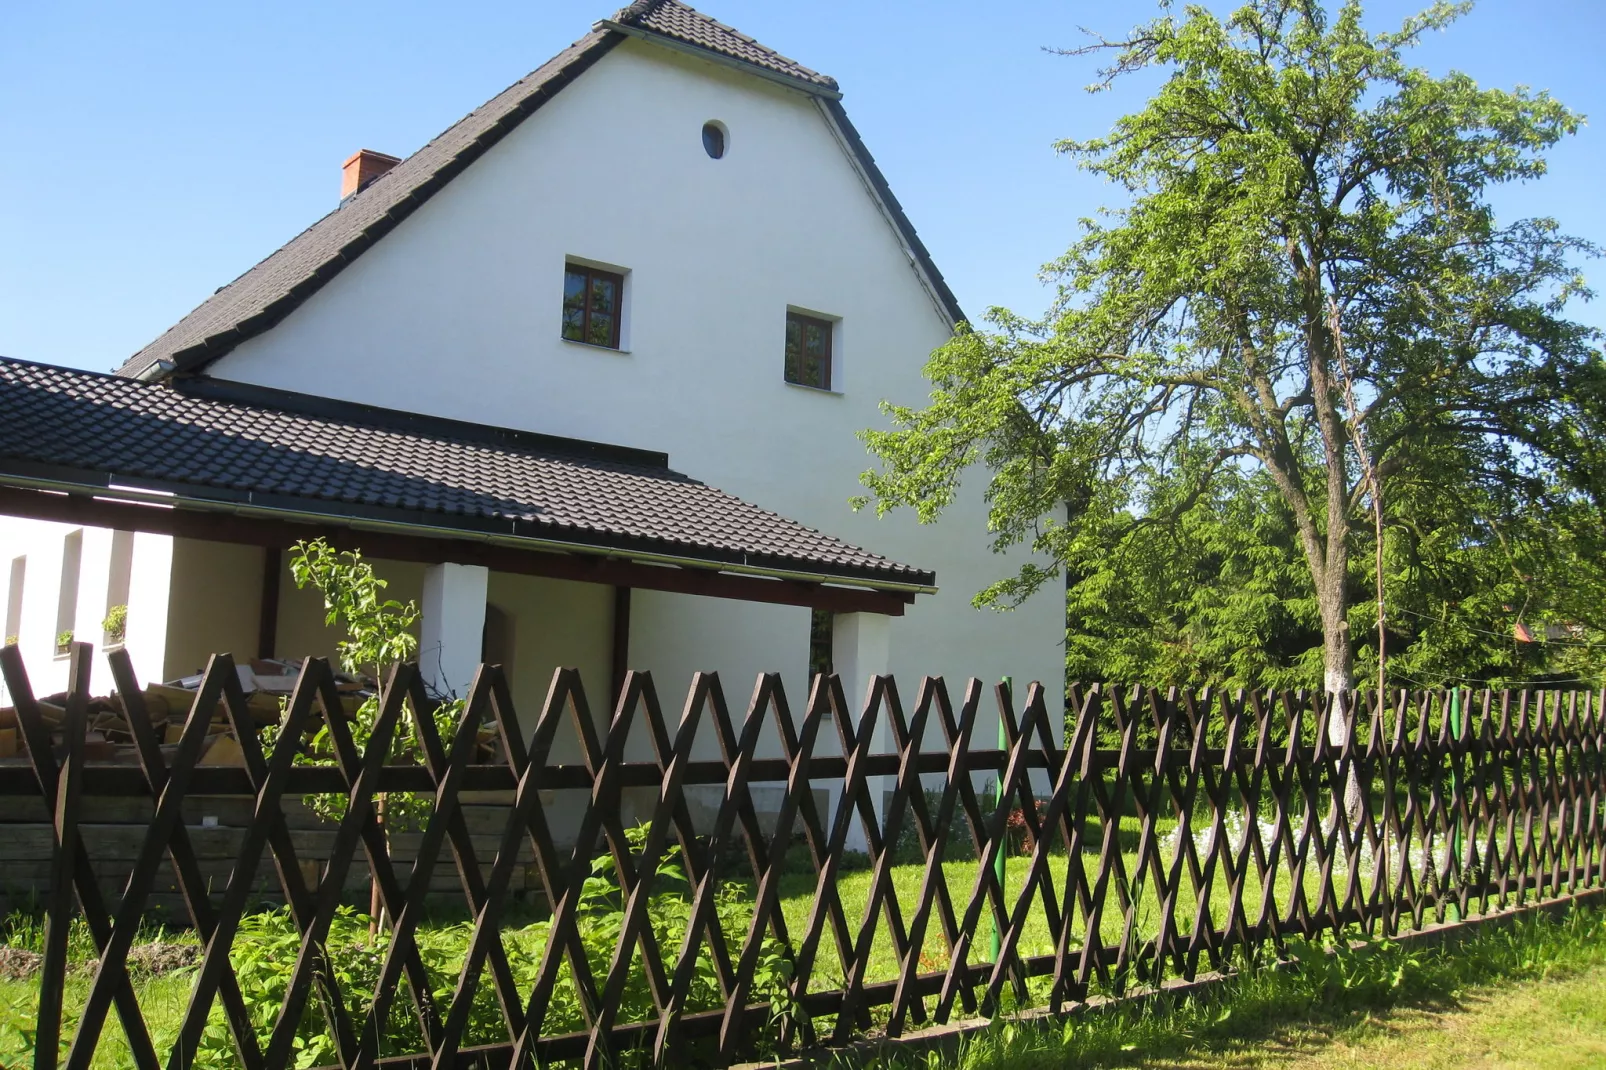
[(1221, 596), (1294, 186), (379, 636), (378, 629)]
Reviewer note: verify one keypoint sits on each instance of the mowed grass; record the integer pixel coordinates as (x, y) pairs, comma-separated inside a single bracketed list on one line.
[(1527, 993), (164, 998), (1554, 1024)]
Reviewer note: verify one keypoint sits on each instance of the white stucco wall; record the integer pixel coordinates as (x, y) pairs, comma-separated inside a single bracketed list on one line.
[(42, 543), (456, 313)]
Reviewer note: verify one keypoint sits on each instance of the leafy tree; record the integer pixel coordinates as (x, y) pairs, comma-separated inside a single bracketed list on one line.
[(378, 634), (378, 629), (1221, 596), (1218, 596), (1298, 194)]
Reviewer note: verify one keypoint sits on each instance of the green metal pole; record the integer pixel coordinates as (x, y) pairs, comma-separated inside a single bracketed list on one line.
[(998, 801), (1455, 765)]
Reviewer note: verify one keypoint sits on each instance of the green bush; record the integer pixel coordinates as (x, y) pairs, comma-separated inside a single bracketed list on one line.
[(115, 626), (265, 950)]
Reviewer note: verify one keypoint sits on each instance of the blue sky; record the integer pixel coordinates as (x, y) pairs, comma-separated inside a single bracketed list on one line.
[(151, 152)]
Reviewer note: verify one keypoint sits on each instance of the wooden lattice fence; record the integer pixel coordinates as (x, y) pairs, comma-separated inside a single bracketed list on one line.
[(1164, 834)]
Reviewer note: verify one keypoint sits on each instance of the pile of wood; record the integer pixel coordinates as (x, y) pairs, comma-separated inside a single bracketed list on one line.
[(267, 683)]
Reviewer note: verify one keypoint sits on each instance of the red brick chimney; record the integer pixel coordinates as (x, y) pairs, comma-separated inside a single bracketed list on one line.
[(364, 166)]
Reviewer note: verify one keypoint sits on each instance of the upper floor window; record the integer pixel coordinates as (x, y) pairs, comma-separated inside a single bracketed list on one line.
[(593, 303), (808, 351)]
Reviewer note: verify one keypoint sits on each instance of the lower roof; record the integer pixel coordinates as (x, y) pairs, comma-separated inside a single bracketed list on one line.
[(214, 444)]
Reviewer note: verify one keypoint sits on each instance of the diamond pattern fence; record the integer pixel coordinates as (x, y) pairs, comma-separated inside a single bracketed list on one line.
[(1163, 833)]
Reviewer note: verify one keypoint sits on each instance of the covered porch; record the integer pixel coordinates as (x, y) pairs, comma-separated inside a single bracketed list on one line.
[(518, 548)]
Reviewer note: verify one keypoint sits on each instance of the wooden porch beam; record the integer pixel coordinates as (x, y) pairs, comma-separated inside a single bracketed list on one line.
[(431, 549), (621, 638), (268, 620)]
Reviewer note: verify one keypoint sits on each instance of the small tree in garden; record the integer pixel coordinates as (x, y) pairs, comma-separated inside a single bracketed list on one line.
[(378, 635), (378, 629)]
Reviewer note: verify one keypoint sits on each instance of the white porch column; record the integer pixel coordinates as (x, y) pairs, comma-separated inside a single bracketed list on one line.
[(860, 649), (452, 627)]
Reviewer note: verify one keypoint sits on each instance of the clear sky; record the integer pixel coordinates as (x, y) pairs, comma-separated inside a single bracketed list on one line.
[(151, 152)]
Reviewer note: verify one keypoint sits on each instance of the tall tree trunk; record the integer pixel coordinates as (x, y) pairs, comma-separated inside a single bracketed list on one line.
[(1338, 654), (1338, 651), (1338, 678)]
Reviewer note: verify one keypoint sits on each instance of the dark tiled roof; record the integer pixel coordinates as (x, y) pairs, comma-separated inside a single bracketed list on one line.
[(671, 18), (272, 289), (297, 453), (265, 294)]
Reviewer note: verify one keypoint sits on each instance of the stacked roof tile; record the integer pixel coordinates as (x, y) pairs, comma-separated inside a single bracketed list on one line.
[(296, 453), (676, 20)]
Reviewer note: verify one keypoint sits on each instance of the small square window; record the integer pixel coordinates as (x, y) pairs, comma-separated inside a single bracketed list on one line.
[(808, 351), (592, 302)]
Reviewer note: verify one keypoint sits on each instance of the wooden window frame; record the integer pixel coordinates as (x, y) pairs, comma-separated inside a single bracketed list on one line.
[(829, 326), (592, 274)]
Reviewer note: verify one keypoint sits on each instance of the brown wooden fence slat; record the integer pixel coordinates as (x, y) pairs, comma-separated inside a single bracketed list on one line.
[(933, 843), (484, 898), (672, 757), (881, 841), (639, 692), (70, 867), (703, 924), (111, 971), (563, 883)]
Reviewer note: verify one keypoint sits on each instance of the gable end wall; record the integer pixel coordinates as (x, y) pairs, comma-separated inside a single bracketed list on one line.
[(456, 313)]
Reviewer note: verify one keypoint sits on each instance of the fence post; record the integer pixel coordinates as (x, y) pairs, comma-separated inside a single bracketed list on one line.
[(998, 800)]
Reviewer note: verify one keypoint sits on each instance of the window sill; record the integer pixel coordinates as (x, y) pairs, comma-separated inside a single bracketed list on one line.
[(592, 346), (813, 389)]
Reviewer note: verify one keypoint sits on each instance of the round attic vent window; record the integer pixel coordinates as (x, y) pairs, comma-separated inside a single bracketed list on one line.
[(714, 139)]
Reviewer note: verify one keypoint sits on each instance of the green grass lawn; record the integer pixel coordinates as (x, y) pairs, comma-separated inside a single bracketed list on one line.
[(1552, 1024), (1527, 994)]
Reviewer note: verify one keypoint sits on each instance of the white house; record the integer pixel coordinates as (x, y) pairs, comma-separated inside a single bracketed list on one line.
[(668, 239)]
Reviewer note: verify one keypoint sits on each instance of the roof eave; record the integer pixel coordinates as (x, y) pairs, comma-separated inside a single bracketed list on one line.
[(197, 355), (898, 217), (511, 534)]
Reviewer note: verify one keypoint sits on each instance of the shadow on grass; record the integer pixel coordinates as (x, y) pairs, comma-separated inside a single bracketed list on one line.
[(1319, 994)]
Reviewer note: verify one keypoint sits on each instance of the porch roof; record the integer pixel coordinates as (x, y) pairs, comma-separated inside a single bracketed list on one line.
[(210, 445)]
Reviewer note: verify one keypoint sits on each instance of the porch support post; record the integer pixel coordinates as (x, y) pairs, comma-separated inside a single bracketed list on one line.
[(452, 628), (860, 651)]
